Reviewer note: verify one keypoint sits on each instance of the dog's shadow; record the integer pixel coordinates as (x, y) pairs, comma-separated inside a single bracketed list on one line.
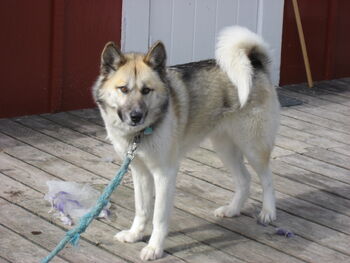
[(312, 224), (207, 236)]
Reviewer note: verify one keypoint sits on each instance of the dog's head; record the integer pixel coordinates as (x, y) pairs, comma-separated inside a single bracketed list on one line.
[(132, 86)]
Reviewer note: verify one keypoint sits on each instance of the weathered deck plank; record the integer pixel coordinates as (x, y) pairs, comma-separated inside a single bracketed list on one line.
[(14, 248), (339, 123), (3, 260), (48, 236), (345, 150), (334, 158), (321, 91), (317, 166), (315, 180), (316, 105), (312, 139), (316, 129)]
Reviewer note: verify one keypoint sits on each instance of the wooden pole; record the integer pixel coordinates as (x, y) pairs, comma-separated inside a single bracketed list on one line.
[(302, 43)]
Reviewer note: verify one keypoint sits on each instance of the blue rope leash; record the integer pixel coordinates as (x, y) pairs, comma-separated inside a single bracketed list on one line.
[(73, 235)]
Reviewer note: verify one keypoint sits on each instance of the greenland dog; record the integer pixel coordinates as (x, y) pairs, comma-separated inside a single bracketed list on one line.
[(229, 100)]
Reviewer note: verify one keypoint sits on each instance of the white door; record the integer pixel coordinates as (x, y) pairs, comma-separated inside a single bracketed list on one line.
[(188, 27)]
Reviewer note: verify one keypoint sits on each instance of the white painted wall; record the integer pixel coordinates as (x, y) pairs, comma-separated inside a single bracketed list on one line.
[(188, 27)]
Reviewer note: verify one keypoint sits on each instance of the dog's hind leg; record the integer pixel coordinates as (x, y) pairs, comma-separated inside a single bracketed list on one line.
[(232, 158), (258, 156), (143, 192)]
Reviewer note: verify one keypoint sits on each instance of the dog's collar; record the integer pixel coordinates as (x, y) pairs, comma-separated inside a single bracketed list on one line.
[(148, 131), (145, 132)]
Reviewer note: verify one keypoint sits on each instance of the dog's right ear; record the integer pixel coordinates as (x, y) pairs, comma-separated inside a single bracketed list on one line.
[(111, 58)]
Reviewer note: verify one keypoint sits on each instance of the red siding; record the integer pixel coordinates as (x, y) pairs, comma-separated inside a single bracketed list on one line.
[(325, 25), (89, 25), (50, 55), (25, 56), (342, 53)]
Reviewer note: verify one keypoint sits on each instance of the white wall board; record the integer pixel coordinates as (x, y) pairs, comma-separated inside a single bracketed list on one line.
[(188, 27)]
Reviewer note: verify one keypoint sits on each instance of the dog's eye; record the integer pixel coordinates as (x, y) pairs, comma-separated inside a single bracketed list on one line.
[(123, 89), (145, 90)]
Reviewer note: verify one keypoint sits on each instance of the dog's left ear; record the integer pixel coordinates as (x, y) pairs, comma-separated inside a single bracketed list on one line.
[(156, 56)]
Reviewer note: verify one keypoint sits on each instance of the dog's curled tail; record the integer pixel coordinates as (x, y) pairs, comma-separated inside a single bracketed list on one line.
[(238, 53)]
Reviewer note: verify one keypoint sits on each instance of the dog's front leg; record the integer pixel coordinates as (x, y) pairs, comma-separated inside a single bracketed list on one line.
[(164, 180), (143, 192)]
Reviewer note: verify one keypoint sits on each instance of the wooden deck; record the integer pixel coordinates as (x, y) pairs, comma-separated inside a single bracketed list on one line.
[(311, 165)]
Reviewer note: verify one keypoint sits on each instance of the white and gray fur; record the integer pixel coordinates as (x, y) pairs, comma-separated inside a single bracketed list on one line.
[(229, 100)]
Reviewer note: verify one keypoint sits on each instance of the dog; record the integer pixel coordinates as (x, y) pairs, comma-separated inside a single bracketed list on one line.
[(229, 100)]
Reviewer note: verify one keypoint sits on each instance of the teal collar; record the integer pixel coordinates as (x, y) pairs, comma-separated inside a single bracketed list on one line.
[(148, 131)]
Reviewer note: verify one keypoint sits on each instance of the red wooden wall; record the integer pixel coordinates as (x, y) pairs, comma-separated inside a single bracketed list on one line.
[(326, 26), (50, 52)]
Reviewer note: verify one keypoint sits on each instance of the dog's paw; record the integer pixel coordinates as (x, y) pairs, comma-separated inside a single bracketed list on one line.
[(226, 211), (127, 236), (151, 253), (267, 216)]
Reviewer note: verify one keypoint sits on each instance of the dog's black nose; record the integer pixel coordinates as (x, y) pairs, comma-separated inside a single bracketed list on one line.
[(136, 116)]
